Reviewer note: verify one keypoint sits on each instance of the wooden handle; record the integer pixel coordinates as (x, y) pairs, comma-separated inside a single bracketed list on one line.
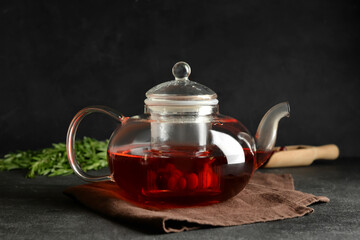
[(327, 152), (302, 155)]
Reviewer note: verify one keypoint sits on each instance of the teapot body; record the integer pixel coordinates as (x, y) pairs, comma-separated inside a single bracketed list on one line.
[(204, 161), (181, 152)]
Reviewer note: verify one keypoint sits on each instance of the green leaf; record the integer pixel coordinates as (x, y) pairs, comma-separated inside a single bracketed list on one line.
[(90, 153)]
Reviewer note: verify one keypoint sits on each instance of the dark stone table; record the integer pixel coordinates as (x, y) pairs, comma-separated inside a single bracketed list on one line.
[(37, 209)]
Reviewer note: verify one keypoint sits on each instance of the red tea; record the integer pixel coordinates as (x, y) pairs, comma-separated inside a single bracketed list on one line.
[(178, 177)]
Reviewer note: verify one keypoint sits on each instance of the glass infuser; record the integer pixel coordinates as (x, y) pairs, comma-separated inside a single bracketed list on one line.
[(181, 151)]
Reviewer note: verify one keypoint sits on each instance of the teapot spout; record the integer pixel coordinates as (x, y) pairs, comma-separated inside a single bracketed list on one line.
[(267, 130)]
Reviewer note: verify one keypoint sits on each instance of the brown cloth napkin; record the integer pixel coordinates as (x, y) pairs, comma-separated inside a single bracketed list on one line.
[(267, 197)]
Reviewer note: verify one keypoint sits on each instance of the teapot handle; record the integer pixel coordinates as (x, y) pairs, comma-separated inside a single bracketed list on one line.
[(70, 139)]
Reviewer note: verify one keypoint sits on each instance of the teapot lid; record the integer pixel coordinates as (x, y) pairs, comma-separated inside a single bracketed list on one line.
[(181, 91)]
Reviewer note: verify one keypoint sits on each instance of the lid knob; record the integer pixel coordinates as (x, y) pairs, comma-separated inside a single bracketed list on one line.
[(181, 71)]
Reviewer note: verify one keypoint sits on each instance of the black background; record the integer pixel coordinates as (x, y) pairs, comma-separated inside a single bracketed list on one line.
[(57, 57)]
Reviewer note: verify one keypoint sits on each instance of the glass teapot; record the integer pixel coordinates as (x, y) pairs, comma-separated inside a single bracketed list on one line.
[(181, 151)]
